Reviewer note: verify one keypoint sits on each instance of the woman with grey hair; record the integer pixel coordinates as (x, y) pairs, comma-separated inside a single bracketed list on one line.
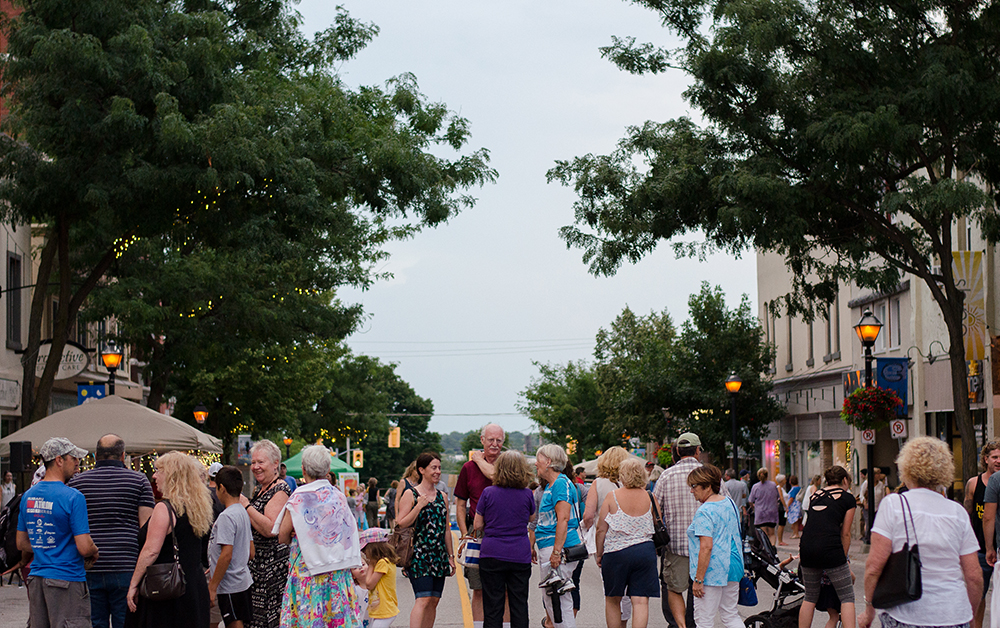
[(269, 566), (951, 578), (323, 536), (557, 528)]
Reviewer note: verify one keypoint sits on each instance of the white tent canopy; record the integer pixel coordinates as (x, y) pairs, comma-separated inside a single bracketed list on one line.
[(143, 429)]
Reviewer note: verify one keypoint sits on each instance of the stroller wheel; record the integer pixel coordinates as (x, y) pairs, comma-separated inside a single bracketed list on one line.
[(758, 621)]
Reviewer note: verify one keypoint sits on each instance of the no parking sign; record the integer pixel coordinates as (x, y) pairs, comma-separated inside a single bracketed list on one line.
[(867, 437), (898, 428)]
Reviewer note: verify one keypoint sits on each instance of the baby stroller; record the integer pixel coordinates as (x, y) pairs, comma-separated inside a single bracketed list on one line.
[(762, 564)]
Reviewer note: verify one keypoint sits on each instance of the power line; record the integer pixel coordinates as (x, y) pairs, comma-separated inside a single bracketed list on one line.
[(448, 353), (442, 342)]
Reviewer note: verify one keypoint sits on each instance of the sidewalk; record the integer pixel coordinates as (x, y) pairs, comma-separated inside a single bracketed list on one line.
[(13, 605)]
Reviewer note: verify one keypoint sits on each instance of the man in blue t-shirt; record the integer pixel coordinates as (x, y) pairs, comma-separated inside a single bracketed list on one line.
[(53, 527)]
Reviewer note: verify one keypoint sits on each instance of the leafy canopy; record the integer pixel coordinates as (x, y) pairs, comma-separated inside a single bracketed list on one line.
[(855, 139)]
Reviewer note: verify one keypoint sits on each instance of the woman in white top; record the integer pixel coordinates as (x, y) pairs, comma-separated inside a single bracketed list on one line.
[(625, 550), (950, 574), (607, 481)]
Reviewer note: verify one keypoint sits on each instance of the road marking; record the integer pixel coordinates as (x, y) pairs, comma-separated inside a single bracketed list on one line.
[(463, 592)]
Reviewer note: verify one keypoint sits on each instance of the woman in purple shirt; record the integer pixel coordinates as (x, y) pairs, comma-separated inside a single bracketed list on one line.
[(502, 514), (764, 497)]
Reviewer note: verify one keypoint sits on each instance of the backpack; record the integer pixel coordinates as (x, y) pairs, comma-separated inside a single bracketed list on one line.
[(9, 554)]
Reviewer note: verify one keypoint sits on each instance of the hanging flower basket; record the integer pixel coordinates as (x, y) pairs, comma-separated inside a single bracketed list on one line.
[(870, 408)]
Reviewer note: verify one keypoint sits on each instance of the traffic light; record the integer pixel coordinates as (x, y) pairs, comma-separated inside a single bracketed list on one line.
[(394, 436), (358, 460)]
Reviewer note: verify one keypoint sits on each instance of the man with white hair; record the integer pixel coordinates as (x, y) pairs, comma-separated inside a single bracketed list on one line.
[(476, 475)]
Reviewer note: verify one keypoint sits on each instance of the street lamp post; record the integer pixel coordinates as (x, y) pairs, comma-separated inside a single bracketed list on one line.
[(288, 444), (733, 386), (200, 414), (868, 329), (111, 356)]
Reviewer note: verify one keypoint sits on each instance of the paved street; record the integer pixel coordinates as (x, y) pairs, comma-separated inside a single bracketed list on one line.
[(14, 604)]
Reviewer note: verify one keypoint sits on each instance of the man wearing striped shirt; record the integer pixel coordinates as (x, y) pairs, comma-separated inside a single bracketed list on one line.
[(119, 502)]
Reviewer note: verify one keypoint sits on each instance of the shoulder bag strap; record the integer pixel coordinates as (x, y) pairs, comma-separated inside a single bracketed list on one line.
[(652, 506), (173, 537), (906, 507)]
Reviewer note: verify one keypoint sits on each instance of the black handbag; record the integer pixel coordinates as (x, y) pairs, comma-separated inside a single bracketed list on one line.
[(900, 579), (577, 552), (661, 536), (164, 581)]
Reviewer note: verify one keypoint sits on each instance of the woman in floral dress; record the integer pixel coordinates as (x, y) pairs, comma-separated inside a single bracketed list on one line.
[(426, 509), (323, 534), (269, 566)]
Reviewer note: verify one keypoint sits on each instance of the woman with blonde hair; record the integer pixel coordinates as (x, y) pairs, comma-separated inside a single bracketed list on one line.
[(503, 513), (625, 550), (269, 566), (951, 578), (606, 482), (183, 517)]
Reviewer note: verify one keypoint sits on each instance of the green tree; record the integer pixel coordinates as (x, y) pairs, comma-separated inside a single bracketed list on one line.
[(565, 401), (363, 399), (714, 342), (183, 122), (634, 368), (853, 139), (650, 382)]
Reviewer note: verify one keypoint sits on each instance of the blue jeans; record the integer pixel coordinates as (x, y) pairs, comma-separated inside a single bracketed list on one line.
[(108, 602)]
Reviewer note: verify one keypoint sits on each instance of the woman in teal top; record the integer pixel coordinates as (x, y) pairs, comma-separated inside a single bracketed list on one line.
[(557, 528), (714, 538)]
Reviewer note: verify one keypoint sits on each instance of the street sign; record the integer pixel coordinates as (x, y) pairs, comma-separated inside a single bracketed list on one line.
[(868, 437), (898, 429)]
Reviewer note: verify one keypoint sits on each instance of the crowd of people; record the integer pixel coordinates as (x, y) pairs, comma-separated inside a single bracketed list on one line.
[(103, 551)]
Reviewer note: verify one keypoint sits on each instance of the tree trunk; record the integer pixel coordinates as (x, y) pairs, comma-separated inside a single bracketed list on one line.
[(951, 300), (960, 395), (29, 360), (69, 305), (157, 377), (60, 326)]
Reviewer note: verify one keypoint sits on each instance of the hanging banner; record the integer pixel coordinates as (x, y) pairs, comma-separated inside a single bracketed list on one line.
[(892, 374), (968, 269), (88, 392)]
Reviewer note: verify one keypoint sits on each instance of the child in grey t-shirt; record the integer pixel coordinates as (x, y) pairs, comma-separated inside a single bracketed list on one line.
[(230, 548)]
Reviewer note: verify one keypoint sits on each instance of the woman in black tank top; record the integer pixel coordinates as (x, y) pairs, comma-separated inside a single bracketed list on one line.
[(826, 539)]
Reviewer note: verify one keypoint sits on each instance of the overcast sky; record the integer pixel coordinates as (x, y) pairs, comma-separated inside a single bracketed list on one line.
[(474, 302)]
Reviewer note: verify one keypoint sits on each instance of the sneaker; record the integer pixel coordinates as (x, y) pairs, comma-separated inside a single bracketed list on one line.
[(552, 578), (566, 587)]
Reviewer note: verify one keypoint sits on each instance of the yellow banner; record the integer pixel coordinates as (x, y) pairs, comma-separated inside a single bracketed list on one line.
[(968, 268)]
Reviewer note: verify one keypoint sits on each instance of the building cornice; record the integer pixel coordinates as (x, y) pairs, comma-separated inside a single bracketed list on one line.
[(875, 296)]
